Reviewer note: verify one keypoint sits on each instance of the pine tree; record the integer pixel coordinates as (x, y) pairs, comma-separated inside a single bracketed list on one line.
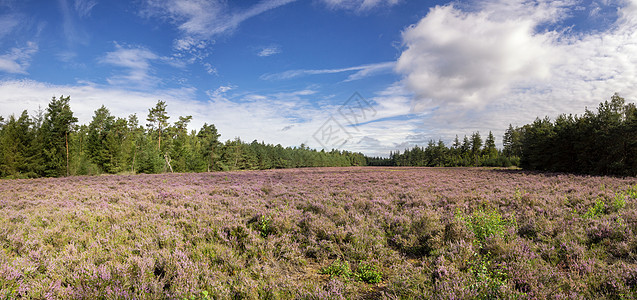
[(58, 122), (476, 145), (15, 138), (135, 139), (158, 119), (209, 140), (181, 151), (490, 151), (507, 141)]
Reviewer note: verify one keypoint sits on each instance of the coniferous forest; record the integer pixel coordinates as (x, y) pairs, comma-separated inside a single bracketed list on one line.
[(52, 144), (598, 143)]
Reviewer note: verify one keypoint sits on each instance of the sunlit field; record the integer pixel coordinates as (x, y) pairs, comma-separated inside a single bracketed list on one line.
[(325, 233)]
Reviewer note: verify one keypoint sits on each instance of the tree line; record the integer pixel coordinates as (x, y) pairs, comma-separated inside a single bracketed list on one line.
[(597, 143), (52, 144), (471, 152)]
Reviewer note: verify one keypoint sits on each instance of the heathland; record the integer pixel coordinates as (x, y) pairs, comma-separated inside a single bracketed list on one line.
[(320, 233)]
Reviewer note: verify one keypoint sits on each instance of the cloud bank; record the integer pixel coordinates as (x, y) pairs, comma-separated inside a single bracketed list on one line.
[(484, 66)]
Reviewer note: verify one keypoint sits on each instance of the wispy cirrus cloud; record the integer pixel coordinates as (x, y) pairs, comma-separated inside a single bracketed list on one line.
[(73, 32), (361, 71), (136, 61), (358, 5), (269, 51), (84, 7), (17, 60), (200, 21), (7, 23)]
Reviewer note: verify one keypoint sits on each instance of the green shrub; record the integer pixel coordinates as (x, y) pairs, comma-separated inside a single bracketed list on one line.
[(368, 273), (365, 272), (488, 279), (203, 296), (597, 210), (487, 223), (619, 202), (338, 268), (264, 226), (632, 192)]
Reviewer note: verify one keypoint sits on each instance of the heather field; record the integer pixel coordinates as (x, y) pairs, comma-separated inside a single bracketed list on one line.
[(325, 233)]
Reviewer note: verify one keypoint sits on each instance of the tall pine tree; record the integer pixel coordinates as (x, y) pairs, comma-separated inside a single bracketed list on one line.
[(58, 123)]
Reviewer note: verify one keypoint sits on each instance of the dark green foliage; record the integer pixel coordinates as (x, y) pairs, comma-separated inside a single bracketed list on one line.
[(487, 223), (49, 144), (368, 273), (364, 272), (470, 153), (33, 147), (15, 140), (149, 159), (511, 142), (490, 151), (602, 143), (337, 268), (56, 126)]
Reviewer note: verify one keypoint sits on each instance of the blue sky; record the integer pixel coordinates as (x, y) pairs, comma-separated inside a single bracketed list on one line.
[(363, 75)]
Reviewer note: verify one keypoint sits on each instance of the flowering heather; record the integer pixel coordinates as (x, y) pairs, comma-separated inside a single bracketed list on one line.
[(325, 233)]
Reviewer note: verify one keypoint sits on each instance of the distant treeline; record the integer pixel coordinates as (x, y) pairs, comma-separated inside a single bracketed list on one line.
[(471, 152), (602, 143), (51, 144)]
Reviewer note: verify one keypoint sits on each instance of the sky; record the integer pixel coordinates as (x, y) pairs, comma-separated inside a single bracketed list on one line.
[(370, 76)]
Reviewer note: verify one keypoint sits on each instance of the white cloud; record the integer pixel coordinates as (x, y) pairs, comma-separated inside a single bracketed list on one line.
[(86, 97), (210, 69), (628, 13), (468, 58), (361, 72), (269, 51), (18, 60), (481, 68), (536, 11), (188, 44), (371, 70), (137, 62), (201, 20), (7, 24), (358, 5), (390, 127), (84, 7), (220, 91)]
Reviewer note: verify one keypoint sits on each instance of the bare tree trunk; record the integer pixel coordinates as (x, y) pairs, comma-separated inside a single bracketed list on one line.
[(168, 162)]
